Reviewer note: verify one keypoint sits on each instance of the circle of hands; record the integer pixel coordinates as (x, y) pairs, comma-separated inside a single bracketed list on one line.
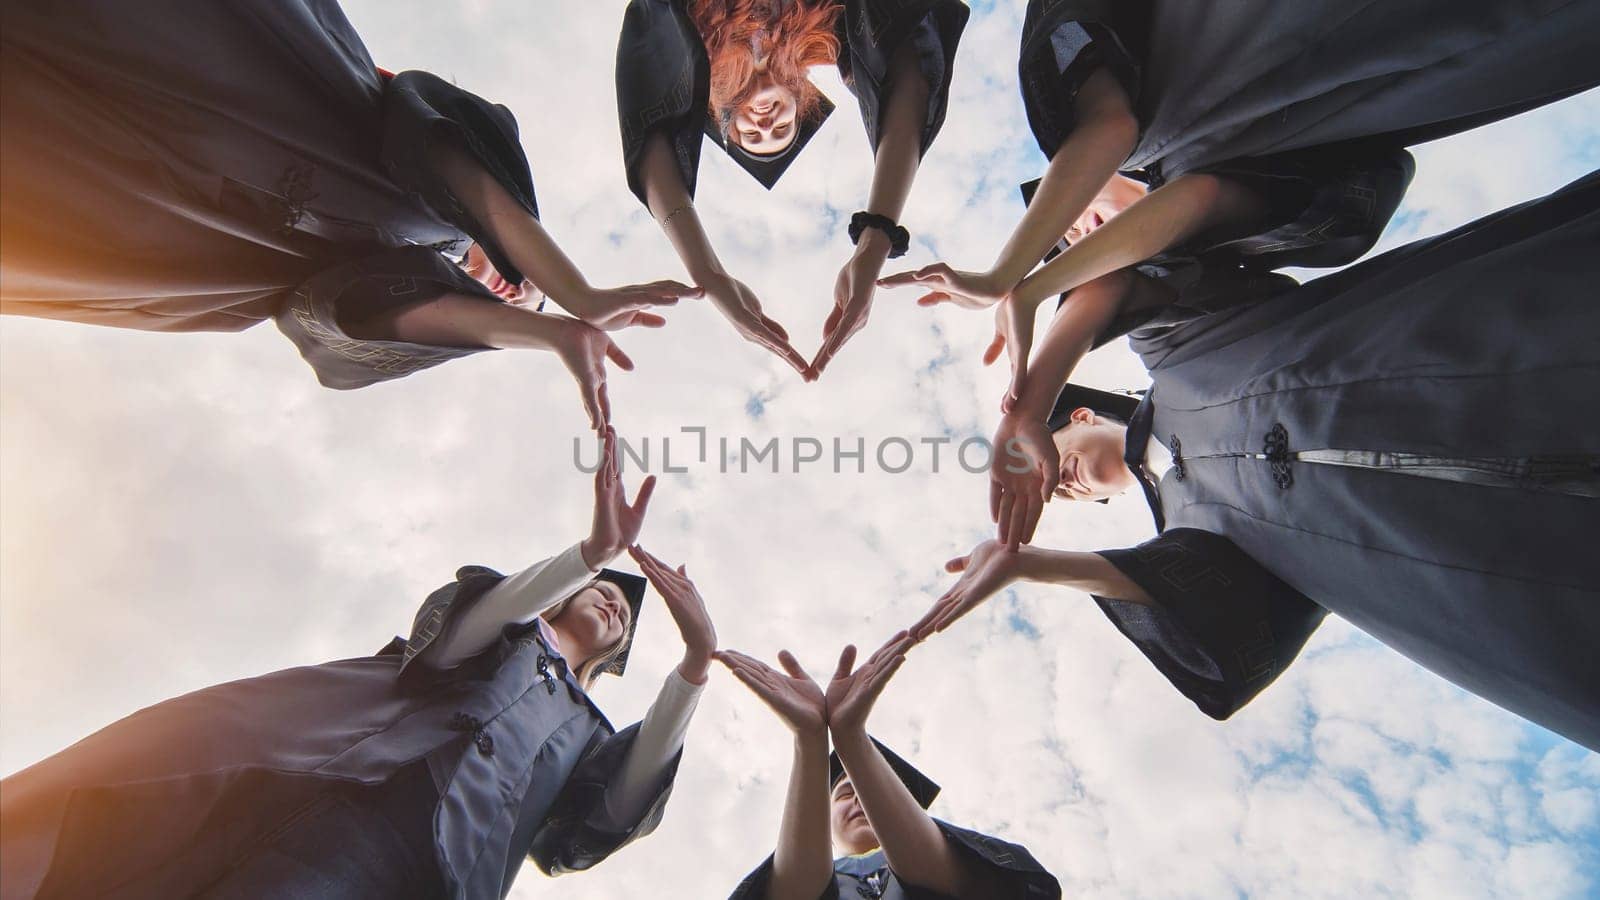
[(1021, 481), (793, 695)]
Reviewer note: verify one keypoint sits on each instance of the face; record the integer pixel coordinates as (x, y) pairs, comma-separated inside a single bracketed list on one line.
[(1118, 194), (765, 124), (1092, 467), (851, 831), (595, 620)]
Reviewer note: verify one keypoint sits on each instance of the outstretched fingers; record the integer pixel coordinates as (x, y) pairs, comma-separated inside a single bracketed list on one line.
[(847, 661), (791, 665)]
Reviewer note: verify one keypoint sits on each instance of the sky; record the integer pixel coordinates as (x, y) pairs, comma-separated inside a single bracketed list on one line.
[(181, 510)]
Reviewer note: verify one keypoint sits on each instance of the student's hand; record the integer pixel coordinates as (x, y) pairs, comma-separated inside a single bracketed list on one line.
[(688, 611), (852, 298), (987, 570), (852, 692), (609, 309), (616, 523), (584, 349), (736, 301), (1023, 474), (1013, 333), (942, 284), (795, 697)]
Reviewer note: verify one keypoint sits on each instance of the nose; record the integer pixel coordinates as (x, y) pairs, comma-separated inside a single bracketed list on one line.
[(763, 121)]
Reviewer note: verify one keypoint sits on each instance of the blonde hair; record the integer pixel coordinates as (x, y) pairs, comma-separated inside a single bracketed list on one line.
[(590, 669)]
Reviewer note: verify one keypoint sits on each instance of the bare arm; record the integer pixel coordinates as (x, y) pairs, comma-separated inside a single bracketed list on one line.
[(802, 867), (1104, 136), (803, 863), (669, 202), (915, 848), (899, 154), (1087, 572), (1071, 333), (1162, 219), (461, 320), (521, 236), (900, 151)]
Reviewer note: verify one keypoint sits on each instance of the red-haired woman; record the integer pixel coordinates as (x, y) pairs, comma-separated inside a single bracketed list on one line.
[(737, 70)]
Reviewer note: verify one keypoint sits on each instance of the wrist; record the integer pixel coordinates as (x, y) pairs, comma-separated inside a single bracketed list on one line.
[(848, 737), (596, 553), (695, 667), (1030, 564), (874, 244), (811, 739)]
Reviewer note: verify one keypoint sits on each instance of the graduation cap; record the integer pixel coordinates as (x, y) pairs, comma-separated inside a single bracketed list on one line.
[(1115, 405), (1111, 405), (632, 587), (922, 788), (769, 167)]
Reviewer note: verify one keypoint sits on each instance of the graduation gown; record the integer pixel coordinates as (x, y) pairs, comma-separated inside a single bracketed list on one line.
[(1311, 104), (1010, 871), (1210, 83), (174, 166), (664, 76), (1408, 444), (159, 804)]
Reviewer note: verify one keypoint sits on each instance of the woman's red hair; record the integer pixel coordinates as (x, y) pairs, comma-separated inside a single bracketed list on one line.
[(792, 37)]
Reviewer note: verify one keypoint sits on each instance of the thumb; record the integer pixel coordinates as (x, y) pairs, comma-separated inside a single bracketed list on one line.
[(995, 348), (959, 564)]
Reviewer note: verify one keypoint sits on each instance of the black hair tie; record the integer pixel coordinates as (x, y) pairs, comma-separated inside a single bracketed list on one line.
[(899, 238)]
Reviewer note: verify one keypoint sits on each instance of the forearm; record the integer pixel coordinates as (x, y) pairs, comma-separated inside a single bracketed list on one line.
[(1085, 161), (1090, 573), (517, 599), (899, 151), (1080, 319), (512, 227), (669, 202), (912, 843), (803, 863), (1157, 222), (658, 743), (460, 320)]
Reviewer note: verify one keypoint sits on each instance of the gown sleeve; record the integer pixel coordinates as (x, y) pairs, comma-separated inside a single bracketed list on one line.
[(663, 84), (579, 832), (420, 110), (1327, 207), (1063, 42), (871, 35), (1221, 628), (316, 314), (1007, 871)]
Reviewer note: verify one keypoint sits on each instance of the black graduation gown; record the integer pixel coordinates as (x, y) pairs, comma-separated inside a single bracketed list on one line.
[(1310, 103), (174, 166), (1408, 444), (664, 77), (1010, 871), (157, 804), (1255, 78)]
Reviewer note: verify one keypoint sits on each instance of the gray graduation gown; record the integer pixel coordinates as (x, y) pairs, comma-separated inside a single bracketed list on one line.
[(1409, 444), (174, 166), (1010, 872), (159, 804)]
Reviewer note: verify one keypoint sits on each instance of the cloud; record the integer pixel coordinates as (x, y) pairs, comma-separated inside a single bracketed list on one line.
[(179, 510)]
